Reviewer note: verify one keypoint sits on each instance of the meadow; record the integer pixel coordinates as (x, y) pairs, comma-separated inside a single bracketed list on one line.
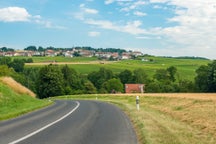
[(186, 67), (16, 100), (167, 118)]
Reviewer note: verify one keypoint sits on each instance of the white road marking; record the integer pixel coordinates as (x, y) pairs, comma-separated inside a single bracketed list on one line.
[(43, 128)]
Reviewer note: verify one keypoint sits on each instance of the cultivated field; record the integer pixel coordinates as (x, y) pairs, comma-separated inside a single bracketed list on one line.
[(168, 118), (186, 67)]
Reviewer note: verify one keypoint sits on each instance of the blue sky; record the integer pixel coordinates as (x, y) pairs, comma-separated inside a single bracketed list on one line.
[(157, 27)]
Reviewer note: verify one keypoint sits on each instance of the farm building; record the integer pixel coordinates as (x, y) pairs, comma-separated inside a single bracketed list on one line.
[(134, 88)]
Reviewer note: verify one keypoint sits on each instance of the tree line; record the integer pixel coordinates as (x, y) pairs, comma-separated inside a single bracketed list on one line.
[(55, 80)]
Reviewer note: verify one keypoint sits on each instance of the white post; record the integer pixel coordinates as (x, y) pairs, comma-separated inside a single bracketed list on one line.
[(137, 102)]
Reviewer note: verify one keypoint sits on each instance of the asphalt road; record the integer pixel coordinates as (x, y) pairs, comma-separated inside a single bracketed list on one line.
[(70, 122)]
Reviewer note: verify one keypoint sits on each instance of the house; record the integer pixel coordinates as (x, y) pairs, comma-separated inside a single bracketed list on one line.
[(125, 56), (134, 88)]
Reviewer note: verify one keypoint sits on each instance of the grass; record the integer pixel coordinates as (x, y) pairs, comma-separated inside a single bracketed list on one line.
[(14, 103), (171, 119), (185, 67)]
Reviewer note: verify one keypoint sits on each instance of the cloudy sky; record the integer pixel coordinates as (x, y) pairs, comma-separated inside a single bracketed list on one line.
[(158, 27)]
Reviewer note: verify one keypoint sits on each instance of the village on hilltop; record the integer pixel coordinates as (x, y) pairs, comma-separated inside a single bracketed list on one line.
[(108, 53)]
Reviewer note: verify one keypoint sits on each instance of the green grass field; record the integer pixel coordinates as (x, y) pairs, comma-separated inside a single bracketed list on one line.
[(167, 120), (13, 104), (186, 67)]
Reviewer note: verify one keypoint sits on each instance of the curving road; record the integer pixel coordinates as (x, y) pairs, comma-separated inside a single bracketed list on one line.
[(70, 122)]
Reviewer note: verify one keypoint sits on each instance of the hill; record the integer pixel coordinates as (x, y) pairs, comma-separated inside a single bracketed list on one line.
[(186, 66), (16, 99)]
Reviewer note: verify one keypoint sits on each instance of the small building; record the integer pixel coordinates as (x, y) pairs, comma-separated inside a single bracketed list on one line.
[(134, 88)]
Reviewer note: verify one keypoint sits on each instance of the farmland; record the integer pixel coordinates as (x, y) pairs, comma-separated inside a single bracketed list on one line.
[(185, 67)]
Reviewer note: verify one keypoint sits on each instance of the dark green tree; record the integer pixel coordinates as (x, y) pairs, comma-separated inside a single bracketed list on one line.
[(50, 82), (212, 77), (162, 75), (140, 76), (71, 79), (201, 80), (172, 71), (98, 78), (31, 48), (126, 76), (113, 85), (17, 65), (89, 88), (205, 80), (5, 61)]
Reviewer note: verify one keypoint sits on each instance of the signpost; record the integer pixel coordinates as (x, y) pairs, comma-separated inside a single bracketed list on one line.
[(137, 102)]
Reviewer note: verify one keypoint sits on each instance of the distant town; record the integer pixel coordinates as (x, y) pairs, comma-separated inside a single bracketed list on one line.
[(107, 53)]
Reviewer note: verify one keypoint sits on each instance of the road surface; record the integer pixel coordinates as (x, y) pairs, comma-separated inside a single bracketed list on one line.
[(70, 122)]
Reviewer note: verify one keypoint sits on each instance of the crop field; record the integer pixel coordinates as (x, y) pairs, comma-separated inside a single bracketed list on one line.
[(186, 67), (167, 118)]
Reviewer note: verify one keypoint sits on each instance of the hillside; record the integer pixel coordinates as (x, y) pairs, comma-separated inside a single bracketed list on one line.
[(186, 67), (16, 99)]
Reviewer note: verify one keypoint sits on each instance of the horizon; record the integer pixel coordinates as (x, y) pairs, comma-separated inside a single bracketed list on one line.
[(155, 27)]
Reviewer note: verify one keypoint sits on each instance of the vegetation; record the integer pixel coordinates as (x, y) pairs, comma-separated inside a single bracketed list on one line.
[(167, 118), (206, 78), (158, 74), (15, 100)]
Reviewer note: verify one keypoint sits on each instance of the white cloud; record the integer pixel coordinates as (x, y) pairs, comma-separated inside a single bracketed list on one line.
[(109, 1), (141, 14), (133, 6), (195, 24), (94, 34), (19, 14), (14, 14), (130, 27), (88, 10)]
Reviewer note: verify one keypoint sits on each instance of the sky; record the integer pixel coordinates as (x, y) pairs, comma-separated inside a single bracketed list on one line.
[(155, 27)]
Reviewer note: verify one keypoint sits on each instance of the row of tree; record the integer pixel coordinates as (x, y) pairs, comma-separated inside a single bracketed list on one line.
[(54, 80)]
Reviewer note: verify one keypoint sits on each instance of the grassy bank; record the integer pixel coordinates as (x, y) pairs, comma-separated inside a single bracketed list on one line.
[(14, 103), (172, 119)]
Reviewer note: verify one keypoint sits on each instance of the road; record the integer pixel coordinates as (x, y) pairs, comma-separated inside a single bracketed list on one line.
[(70, 122)]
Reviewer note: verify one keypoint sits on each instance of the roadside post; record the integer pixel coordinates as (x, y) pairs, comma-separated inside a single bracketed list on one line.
[(137, 102)]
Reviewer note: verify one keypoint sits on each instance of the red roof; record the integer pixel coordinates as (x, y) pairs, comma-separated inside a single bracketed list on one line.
[(134, 88)]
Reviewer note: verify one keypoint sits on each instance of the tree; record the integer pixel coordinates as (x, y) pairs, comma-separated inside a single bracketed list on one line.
[(4, 70), (162, 75), (172, 71), (205, 80), (5, 60), (50, 82), (140, 76), (89, 88), (71, 78), (212, 77), (126, 76), (201, 80), (113, 85), (98, 78), (17, 65), (31, 48)]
